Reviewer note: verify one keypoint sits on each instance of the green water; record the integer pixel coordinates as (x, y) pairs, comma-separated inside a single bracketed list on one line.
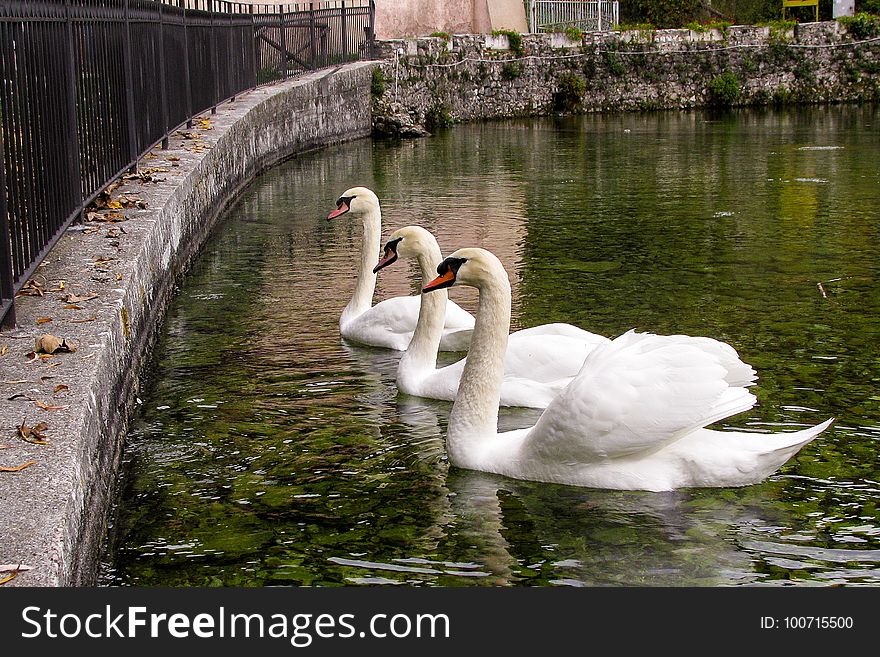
[(269, 452)]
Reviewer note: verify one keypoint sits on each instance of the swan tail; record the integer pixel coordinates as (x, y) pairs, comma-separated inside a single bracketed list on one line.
[(738, 458)]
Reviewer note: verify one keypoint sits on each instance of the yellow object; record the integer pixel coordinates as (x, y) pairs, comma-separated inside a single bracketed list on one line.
[(800, 3)]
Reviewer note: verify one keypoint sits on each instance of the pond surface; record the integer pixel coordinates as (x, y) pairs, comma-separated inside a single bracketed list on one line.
[(269, 452)]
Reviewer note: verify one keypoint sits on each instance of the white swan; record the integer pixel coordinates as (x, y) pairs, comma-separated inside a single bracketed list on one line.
[(634, 417), (390, 323), (538, 364)]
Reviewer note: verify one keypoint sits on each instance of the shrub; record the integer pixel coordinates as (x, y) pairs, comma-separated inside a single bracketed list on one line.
[(514, 40), (511, 71), (861, 26), (574, 33), (438, 117), (377, 83), (724, 90), (570, 92)]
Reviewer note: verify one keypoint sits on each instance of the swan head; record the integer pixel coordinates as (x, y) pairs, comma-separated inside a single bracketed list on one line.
[(470, 266), (408, 242), (356, 201)]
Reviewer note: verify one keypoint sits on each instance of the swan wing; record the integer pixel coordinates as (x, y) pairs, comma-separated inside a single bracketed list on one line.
[(634, 394), (548, 356), (389, 324)]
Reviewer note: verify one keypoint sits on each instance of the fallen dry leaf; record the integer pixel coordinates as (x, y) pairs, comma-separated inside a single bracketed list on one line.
[(8, 578), (32, 289), (43, 320), (50, 344), (6, 446), (16, 382), (18, 468), (61, 388), (87, 319), (21, 395), (34, 434), (4, 350), (110, 217), (14, 567), (50, 407), (72, 306), (57, 288), (76, 298)]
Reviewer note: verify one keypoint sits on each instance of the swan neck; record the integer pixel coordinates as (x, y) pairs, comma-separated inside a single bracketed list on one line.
[(474, 415), (421, 354), (365, 286)]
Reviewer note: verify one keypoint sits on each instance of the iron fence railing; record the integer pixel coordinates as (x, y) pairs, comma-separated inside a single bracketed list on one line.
[(87, 87), (585, 15)]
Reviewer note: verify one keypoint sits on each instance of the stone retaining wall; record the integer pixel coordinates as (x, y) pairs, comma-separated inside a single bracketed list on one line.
[(54, 512), (473, 77)]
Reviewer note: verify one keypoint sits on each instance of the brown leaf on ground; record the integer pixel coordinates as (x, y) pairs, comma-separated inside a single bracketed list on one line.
[(34, 434), (50, 344), (72, 306), (6, 446), (18, 468), (77, 298), (81, 321), (43, 320), (14, 567), (19, 395), (58, 288), (8, 578), (32, 289), (109, 217), (50, 407), (4, 350), (61, 388)]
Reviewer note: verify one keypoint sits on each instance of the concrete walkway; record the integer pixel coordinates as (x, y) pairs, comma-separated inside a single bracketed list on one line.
[(104, 290)]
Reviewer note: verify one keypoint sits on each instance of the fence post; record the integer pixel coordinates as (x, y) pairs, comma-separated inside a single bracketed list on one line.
[(214, 54), (254, 45), (344, 35), (371, 37), (133, 149), (186, 80), (313, 41), (7, 289), (73, 146), (163, 79), (283, 42)]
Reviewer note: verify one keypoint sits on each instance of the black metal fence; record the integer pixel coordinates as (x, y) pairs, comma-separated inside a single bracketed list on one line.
[(87, 87)]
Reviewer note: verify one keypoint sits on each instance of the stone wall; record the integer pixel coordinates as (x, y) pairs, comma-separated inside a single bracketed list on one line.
[(474, 77), (55, 511)]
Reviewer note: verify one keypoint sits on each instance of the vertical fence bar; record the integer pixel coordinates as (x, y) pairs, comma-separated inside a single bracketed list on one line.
[(74, 166), (212, 50), (163, 79), (254, 48), (186, 75), (7, 291), (283, 43), (313, 41), (133, 149)]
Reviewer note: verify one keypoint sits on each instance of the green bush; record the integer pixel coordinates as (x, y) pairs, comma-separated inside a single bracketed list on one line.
[(570, 92), (861, 26), (724, 90), (663, 13), (511, 71), (514, 40), (574, 33), (377, 84), (438, 117)]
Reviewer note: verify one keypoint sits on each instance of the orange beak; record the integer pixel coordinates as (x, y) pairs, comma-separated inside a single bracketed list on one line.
[(342, 209), (444, 280)]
